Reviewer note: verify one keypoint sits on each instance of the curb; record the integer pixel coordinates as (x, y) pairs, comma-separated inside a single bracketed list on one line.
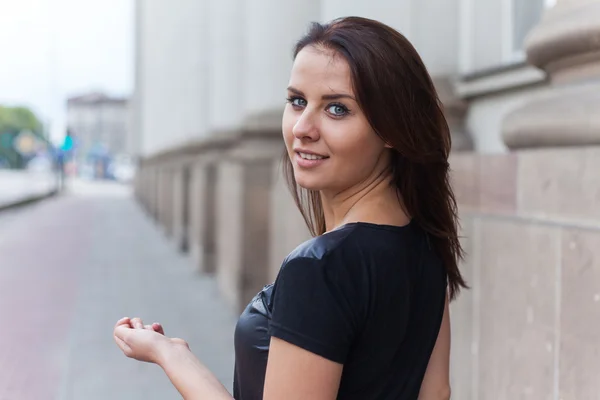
[(27, 200)]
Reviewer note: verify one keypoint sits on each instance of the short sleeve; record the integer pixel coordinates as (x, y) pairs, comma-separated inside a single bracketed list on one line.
[(315, 307)]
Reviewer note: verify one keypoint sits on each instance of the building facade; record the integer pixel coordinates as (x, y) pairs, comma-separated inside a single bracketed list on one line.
[(101, 129), (520, 81)]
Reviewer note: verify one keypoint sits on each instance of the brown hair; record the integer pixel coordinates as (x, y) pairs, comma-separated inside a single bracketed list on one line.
[(396, 94)]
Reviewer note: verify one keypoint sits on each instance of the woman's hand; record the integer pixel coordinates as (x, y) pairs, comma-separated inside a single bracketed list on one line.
[(149, 343), (144, 342)]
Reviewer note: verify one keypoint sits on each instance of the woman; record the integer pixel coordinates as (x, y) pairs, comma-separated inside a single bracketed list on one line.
[(361, 310)]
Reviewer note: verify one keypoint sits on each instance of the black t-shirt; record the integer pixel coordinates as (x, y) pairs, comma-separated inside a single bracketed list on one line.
[(370, 297)]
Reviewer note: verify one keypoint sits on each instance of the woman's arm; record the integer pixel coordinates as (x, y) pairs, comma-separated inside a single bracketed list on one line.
[(190, 377), (436, 382), (294, 373)]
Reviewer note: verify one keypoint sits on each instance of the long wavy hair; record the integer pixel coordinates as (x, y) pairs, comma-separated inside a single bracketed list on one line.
[(396, 94)]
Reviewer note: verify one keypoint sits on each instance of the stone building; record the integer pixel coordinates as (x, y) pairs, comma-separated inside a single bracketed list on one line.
[(101, 127), (520, 81)]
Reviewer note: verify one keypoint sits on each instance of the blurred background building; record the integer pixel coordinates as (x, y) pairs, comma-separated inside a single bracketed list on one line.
[(520, 80), (100, 128)]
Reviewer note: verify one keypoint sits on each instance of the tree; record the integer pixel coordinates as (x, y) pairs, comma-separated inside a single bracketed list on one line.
[(13, 120), (16, 119)]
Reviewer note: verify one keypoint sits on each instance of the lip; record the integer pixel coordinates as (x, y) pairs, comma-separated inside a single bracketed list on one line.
[(308, 152), (304, 163)]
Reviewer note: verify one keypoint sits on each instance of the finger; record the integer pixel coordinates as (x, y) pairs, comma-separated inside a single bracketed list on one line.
[(137, 323), (123, 346), (123, 321), (122, 332), (158, 328)]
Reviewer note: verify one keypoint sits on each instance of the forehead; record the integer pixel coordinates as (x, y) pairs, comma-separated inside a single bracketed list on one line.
[(321, 69)]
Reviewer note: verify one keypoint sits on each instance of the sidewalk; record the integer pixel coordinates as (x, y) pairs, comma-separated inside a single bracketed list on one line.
[(70, 267), (18, 187)]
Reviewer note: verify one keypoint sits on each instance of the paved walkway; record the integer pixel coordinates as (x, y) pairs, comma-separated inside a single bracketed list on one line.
[(72, 265)]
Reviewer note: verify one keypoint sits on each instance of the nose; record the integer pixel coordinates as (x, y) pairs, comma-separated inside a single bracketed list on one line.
[(305, 127)]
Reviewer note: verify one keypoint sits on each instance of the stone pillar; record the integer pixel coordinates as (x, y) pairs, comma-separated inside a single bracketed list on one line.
[(224, 121), (229, 230), (203, 226), (243, 207), (155, 196), (160, 196), (148, 188), (565, 44), (166, 200), (287, 227), (270, 30), (455, 110), (141, 188), (200, 191), (226, 67), (181, 206)]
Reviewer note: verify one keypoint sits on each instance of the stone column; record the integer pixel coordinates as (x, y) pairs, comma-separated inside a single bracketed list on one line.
[(199, 193), (439, 49), (243, 185), (155, 195), (160, 196), (166, 194), (149, 189), (203, 228), (566, 45), (455, 110), (287, 228), (181, 205), (272, 28), (225, 65), (243, 181)]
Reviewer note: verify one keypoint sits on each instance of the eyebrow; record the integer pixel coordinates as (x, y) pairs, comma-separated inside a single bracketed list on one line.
[(333, 96)]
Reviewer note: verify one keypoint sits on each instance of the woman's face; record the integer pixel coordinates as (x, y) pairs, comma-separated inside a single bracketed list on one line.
[(331, 145)]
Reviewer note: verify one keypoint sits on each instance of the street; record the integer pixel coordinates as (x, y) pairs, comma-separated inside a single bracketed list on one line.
[(70, 267)]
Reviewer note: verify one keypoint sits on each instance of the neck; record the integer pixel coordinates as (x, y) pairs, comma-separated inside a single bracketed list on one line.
[(375, 200)]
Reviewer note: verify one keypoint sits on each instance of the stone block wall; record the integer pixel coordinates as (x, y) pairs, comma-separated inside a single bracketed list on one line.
[(528, 327)]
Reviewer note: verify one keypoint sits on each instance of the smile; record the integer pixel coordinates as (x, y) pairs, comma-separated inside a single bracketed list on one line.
[(306, 160), (308, 156)]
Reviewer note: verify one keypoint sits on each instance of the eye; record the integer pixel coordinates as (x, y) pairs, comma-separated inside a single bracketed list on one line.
[(296, 101), (337, 110)]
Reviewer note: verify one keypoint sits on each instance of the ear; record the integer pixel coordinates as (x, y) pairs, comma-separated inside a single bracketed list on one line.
[(388, 146)]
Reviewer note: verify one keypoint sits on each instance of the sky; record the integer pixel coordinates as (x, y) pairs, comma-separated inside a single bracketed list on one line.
[(53, 49)]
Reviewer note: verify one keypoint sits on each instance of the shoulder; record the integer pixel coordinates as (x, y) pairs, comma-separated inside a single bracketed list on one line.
[(341, 251), (320, 247), (356, 241), (346, 255)]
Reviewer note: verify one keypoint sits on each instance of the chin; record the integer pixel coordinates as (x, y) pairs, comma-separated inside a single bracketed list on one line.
[(309, 182)]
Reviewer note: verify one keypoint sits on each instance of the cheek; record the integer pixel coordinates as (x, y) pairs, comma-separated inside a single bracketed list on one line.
[(287, 128), (357, 146)]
